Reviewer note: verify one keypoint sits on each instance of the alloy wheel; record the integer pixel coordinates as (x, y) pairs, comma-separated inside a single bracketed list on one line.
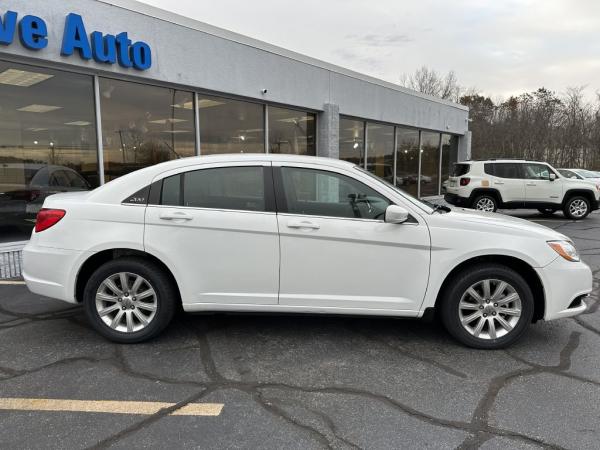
[(126, 302), (490, 309), (485, 204), (578, 208)]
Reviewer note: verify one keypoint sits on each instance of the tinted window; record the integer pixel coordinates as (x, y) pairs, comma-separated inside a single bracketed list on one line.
[(407, 162), (380, 151), (352, 141), (536, 171), (240, 188), (291, 131), (462, 169), (321, 193), (430, 163), (503, 170)]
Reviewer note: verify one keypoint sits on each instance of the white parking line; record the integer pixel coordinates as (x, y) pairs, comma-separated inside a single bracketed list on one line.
[(11, 282), (107, 406)]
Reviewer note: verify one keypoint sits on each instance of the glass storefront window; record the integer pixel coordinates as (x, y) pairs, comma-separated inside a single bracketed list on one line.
[(47, 141), (407, 163), (430, 163), (291, 132), (230, 126), (380, 150), (144, 125), (449, 156), (352, 141)]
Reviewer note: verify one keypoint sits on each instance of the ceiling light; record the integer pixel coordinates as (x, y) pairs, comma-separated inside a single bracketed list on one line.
[(22, 78), (35, 130), (79, 123), (35, 142), (39, 108), (355, 145), (186, 105), (296, 119), (166, 121), (206, 103)]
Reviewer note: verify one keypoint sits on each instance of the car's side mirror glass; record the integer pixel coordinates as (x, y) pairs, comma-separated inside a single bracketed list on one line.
[(395, 214), (552, 177)]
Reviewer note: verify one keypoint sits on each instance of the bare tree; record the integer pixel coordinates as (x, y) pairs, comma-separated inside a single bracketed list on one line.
[(429, 81)]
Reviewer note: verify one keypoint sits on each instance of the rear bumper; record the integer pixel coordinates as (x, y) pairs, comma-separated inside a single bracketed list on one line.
[(51, 272), (456, 200), (566, 284)]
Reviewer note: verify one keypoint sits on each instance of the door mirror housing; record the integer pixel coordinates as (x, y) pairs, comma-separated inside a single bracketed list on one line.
[(552, 177), (395, 214)]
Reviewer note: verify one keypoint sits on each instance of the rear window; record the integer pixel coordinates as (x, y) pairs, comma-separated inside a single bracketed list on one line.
[(460, 170)]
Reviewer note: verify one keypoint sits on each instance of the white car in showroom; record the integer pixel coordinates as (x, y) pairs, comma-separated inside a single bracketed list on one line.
[(290, 234)]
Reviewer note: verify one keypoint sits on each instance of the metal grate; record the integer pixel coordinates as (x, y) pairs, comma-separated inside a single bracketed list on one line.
[(11, 260)]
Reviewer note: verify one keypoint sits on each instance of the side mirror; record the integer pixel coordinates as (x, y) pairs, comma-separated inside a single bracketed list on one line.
[(552, 176), (395, 214)]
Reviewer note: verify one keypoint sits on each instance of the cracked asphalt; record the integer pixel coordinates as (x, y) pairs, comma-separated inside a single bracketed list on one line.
[(303, 381)]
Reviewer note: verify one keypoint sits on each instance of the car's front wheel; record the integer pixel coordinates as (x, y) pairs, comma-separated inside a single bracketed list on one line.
[(129, 300), (488, 307), (577, 208)]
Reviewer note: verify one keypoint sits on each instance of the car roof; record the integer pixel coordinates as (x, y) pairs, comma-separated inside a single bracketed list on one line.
[(138, 179)]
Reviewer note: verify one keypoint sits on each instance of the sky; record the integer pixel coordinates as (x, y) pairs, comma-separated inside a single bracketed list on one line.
[(499, 47)]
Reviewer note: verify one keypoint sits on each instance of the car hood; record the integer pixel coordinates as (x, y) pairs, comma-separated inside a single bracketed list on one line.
[(469, 219)]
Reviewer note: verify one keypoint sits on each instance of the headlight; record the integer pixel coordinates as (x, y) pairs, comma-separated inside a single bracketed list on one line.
[(565, 249)]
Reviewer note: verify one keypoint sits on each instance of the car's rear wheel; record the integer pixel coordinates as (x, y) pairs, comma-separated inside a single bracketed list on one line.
[(129, 300), (489, 307), (487, 203), (547, 211), (577, 208)]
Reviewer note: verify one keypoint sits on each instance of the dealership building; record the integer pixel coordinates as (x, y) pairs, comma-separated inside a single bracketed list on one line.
[(93, 89)]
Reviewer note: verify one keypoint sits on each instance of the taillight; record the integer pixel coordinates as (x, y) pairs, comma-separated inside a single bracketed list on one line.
[(47, 218), (465, 181)]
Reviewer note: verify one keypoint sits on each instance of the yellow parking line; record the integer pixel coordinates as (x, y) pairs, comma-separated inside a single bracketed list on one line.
[(107, 406), (9, 282)]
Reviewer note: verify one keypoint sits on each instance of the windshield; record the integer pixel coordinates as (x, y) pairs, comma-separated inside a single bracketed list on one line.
[(423, 204), (586, 173)]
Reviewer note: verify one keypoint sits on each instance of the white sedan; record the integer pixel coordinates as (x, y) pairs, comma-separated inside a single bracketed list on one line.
[(289, 234)]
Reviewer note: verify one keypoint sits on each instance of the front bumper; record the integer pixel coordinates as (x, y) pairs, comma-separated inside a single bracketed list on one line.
[(455, 199), (51, 272), (566, 284)]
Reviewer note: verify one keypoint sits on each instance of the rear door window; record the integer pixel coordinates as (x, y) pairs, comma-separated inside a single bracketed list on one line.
[(235, 188), (503, 170)]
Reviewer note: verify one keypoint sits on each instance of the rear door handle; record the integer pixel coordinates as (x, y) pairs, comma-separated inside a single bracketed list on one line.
[(177, 215), (303, 224), (531, 184)]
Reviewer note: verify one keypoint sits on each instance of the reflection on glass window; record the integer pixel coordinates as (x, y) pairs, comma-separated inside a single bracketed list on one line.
[(230, 126), (449, 157), (430, 163), (407, 164), (380, 150), (47, 141), (144, 125), (291, 132), (352, 141)]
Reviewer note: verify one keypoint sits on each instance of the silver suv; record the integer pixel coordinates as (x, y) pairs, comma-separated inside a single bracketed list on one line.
[(514, 184)]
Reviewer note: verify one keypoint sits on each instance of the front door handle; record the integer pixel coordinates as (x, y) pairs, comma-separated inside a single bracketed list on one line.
[(303, 224), (531, 184), (498, 182), (177, 215)]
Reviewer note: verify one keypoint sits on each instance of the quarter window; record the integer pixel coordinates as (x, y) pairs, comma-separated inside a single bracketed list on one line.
[(321, 193), (238, 188)]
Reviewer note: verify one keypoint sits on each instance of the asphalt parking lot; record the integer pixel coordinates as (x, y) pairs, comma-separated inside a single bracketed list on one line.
[(275, 382)]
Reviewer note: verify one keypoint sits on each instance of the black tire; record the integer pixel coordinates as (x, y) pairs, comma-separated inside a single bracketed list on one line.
[(546, 211), (449, 308), (568, 208), (485, 199), (165, 298)]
